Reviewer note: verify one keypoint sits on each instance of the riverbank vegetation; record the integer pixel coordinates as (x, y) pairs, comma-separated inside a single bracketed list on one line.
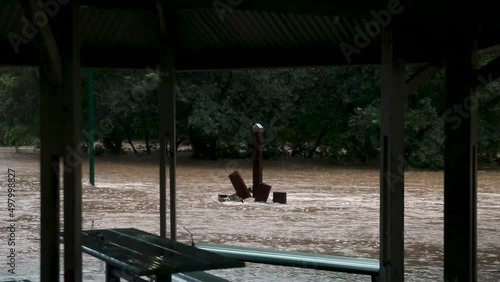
[(331, 113)]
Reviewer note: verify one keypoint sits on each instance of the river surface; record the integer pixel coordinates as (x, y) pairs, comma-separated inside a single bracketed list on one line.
[(330, 210)]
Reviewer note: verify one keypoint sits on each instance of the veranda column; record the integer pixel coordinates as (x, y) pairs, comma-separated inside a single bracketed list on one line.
[(60, 134), (392, 159), (167, 99), (460, 172)]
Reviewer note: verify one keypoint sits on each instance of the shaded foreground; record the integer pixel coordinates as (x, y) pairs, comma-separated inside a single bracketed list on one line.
[(330, 210)]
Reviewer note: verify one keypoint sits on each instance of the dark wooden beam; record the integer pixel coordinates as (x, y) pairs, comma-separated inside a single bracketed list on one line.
[(281, 58), (50, 152), (167, 109), (460, 156), (419, 12), (44, 40), (315, 7), (119, 4), (393, 101), (66, 33), (490, 49), (422, 76), (188, 59), (162, 18), (163, 92)]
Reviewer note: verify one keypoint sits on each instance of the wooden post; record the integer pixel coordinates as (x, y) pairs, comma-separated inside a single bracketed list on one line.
[(239, 185), (50, 115), (90, 117), (460, 172), (257, 155), (110, 276), (279, 197), (262, 193), (163, 168), (392, 160), (59, 49), (166, 92), (67, 37)]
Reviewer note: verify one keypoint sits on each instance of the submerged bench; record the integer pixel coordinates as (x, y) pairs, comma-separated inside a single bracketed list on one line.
[(297, 259)]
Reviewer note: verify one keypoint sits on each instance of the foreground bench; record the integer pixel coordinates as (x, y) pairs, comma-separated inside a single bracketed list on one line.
[(131, 254), (297, 259)]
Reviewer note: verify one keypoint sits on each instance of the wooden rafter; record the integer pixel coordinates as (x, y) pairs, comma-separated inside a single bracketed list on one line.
[(422, 76), (162, 19), (46, 43), (494, 48), (316, 7), (488, 73)]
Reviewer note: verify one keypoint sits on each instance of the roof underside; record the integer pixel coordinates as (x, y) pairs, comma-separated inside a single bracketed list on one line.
[(252, 34)]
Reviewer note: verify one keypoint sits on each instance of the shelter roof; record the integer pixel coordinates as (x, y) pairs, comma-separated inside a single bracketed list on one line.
[(223, 34)]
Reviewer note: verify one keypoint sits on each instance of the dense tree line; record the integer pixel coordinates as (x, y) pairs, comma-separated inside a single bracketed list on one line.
[(325, 112)]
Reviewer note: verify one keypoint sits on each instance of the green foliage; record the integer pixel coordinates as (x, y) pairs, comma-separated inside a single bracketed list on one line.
[(19, 106), (324, 112)]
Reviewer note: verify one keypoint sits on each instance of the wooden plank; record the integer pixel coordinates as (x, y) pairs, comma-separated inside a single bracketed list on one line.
[(215, 261), (295, 259), (239, 185), (392, 159), (460, 171)]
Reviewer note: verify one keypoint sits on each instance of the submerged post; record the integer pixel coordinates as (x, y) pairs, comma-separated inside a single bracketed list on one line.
[(258, 132), (90, 117)]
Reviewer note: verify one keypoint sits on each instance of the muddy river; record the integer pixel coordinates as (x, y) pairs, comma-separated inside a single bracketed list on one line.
[(331, 210)]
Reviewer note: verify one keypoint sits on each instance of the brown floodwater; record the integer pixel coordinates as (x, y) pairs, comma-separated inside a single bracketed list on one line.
[(331, 210)]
